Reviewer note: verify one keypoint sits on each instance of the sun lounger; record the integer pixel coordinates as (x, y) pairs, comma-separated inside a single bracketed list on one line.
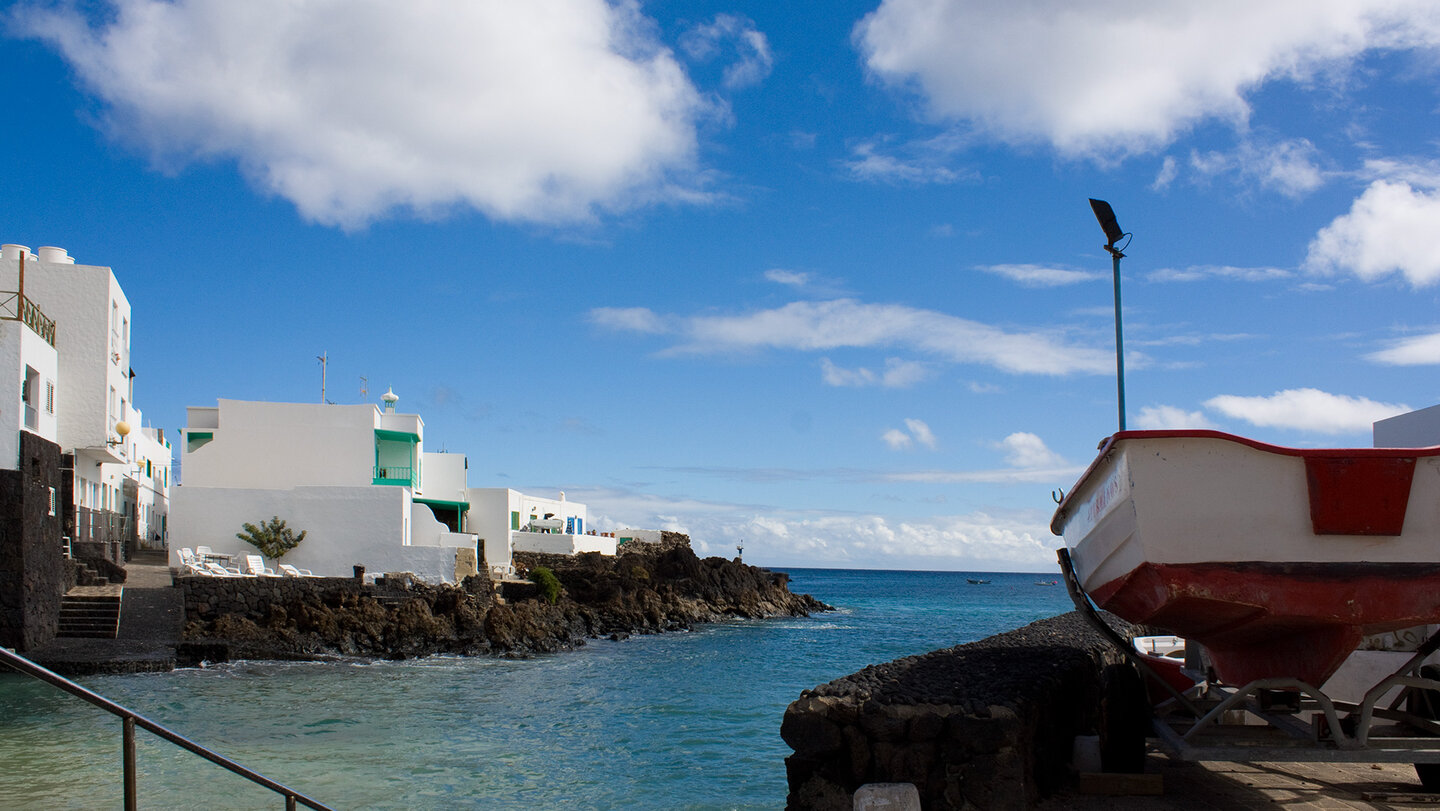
[(216, 570), (255, 565), (290, 571)]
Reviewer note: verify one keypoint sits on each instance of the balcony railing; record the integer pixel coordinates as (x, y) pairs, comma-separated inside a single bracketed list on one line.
[(404, 476), (15, 307)]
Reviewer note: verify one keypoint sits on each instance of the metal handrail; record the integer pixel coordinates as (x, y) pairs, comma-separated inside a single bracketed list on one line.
[(132, 719)]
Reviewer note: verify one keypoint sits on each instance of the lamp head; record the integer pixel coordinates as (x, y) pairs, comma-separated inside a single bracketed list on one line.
[(1106, 216), (122, 428)]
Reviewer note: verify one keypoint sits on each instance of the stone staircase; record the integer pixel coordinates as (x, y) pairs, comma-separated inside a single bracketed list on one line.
[(91, 611)]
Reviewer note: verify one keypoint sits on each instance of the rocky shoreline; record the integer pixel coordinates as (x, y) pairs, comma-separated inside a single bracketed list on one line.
[(642, 591)]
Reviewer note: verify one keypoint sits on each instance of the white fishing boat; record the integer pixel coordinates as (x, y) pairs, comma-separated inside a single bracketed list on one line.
[(1277, 560)]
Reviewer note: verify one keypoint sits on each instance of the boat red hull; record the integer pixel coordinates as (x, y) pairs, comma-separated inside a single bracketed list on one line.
[(1260, 619)]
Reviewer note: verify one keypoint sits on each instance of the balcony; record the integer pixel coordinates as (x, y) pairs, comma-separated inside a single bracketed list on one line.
[(402, 476), (15, 307)]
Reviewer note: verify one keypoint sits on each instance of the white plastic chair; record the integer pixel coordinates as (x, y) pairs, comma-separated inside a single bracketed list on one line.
[(287, 570), (255, 566), (216, 570)]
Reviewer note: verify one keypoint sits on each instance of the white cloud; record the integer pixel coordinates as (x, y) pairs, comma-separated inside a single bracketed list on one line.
[(871, 164), (628, 319), (1195, 273), (1041, 275), (917, 430), (825, 325), (774, 536), (1391, 228), (1169, 170), (1032, 71), (897, 439), (1307, 410), (547, 111), (898, 374), (1169, 417), (1026, 450), (751, 50), (921, 432), (1288, 167), (793, 278), (1419, 350)]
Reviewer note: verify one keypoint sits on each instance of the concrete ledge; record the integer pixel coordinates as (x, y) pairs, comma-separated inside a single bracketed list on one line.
[(986, 725)]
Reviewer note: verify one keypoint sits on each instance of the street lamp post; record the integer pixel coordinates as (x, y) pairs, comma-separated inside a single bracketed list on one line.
[(1113, 233)]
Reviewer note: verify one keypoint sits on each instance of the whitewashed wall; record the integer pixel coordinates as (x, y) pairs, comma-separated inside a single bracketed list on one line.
[(347, 526), (19, 348), (278, 445), (559, 544)]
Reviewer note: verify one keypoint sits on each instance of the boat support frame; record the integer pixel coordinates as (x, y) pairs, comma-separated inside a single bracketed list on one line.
[(1216, 722)]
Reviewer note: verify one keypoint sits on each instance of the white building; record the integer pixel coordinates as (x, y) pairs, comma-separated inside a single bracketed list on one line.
[(356, 479), (90, 395), (510, 520)]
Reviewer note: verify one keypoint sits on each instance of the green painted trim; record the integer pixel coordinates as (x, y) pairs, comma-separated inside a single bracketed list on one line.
[(397, 436), (440, 502)]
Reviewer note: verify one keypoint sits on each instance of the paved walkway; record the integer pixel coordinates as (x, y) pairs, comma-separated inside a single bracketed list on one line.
[(151, 618), (1243, 786)]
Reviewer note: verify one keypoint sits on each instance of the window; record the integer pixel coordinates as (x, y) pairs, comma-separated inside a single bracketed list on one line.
[(112, 405), (30, 394), (49, 397)]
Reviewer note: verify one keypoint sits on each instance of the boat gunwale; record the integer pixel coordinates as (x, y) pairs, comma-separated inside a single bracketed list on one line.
[(1116, 438)]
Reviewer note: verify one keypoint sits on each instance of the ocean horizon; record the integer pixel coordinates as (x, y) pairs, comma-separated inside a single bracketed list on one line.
[(682, 720)]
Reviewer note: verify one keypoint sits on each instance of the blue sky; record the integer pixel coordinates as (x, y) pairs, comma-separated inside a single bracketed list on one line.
[(824, 283)]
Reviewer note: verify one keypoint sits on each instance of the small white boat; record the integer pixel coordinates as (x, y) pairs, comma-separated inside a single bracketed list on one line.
[(1277, 560)]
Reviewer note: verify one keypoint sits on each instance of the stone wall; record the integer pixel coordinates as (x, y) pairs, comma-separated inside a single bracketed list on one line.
[(32, 566), (207, 598), (985, 725)]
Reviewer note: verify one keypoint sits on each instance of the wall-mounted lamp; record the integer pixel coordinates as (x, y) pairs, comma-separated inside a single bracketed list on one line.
[(123, 429)]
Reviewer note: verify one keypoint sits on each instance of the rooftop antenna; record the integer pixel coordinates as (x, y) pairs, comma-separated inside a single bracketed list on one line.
[(364, 391), (1113, 234), (324, 358)]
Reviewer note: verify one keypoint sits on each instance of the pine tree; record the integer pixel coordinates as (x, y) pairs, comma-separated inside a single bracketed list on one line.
[(272, 537)]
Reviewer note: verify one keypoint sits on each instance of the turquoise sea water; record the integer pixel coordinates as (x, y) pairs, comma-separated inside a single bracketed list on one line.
[(689, 720)]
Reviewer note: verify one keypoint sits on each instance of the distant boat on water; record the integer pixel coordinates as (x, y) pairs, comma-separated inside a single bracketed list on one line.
[(976, 581), (1047, 582)]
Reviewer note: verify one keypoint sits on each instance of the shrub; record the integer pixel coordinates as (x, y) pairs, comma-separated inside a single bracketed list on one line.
[(639, 573), (547, 581), (272, 537)]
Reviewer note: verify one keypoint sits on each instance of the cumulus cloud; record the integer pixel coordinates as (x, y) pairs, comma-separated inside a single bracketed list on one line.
[(1165, 417), (1307, 410), (1041, 275), (898, 374), (773, 535), (916, 431), (628, 319), (1291, 168), (1391, 228), (1026, 450), (549, 111), (921, 432), (1418, 350), (897, 439), (847, 323), (737, 38), (1024, 72)]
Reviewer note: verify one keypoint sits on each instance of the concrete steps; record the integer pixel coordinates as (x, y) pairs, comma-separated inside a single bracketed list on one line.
[(91, 612)]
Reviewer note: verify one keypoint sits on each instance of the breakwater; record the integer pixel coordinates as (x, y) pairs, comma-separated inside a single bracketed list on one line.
[(645, 590), (988, 724)]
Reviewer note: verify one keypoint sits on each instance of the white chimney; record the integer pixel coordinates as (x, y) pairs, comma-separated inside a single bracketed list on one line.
[(55, 256), (14, 251)]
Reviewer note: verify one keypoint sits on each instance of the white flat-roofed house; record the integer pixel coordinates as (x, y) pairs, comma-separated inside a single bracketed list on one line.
[(91, 392), (355, 478), (510, 520)]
